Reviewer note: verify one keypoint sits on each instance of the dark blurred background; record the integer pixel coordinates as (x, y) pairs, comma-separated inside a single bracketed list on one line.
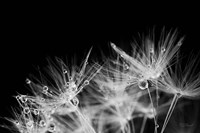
[(31, 34)]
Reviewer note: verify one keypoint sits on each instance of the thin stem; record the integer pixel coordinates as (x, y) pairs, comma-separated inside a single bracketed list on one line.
[(143, 124), (86, 122), (157, 96), (170, 111), (154, 113), (157, 99), (133, 126)]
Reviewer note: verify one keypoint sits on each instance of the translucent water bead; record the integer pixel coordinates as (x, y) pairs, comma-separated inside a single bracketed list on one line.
[(143, 84)]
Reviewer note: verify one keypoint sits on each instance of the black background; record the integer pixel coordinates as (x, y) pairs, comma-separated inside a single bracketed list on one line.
[(30, 34)]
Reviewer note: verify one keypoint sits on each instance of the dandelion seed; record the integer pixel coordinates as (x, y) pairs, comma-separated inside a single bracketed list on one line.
[(184, 82), (181, 83)]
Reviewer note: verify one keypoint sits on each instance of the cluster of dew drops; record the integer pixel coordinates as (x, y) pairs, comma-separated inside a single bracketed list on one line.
[(37, 111)]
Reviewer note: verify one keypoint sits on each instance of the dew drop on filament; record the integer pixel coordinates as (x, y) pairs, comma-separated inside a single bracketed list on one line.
[(45, 88), (64, 71), (143, 84), (113, 45), (52, 127), (42, 123), (163, 50), (26, 110), (180, 42), (151, 50), (86, 82), (75, 101), (16, 122), (28, 81), (36, 111)]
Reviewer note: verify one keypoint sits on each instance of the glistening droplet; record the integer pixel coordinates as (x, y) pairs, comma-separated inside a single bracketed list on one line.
[(163, 49), (75, 101), (65, 71), (26, 110), (28, 81), (42, 123), (151, 50), (143, 84), (51, 127), (36, 111), (86, 82)]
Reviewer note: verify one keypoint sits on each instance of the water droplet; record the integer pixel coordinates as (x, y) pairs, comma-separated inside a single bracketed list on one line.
[(86, 82), (26, 110), (36, 111), (163, 49), (157, 126), (45, 88), (17, 97), (16, 122), (67, 84), (113, 45), (86, 62), (23, 99), (28, 81), (65, 71), (51, 127), (180, 42), (143, 84), (151, 50), (75, 101), (42, 123), (126, 66)]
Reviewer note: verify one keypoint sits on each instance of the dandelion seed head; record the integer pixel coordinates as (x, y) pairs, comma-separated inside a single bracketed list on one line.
[(182, 80), (94, 98)]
